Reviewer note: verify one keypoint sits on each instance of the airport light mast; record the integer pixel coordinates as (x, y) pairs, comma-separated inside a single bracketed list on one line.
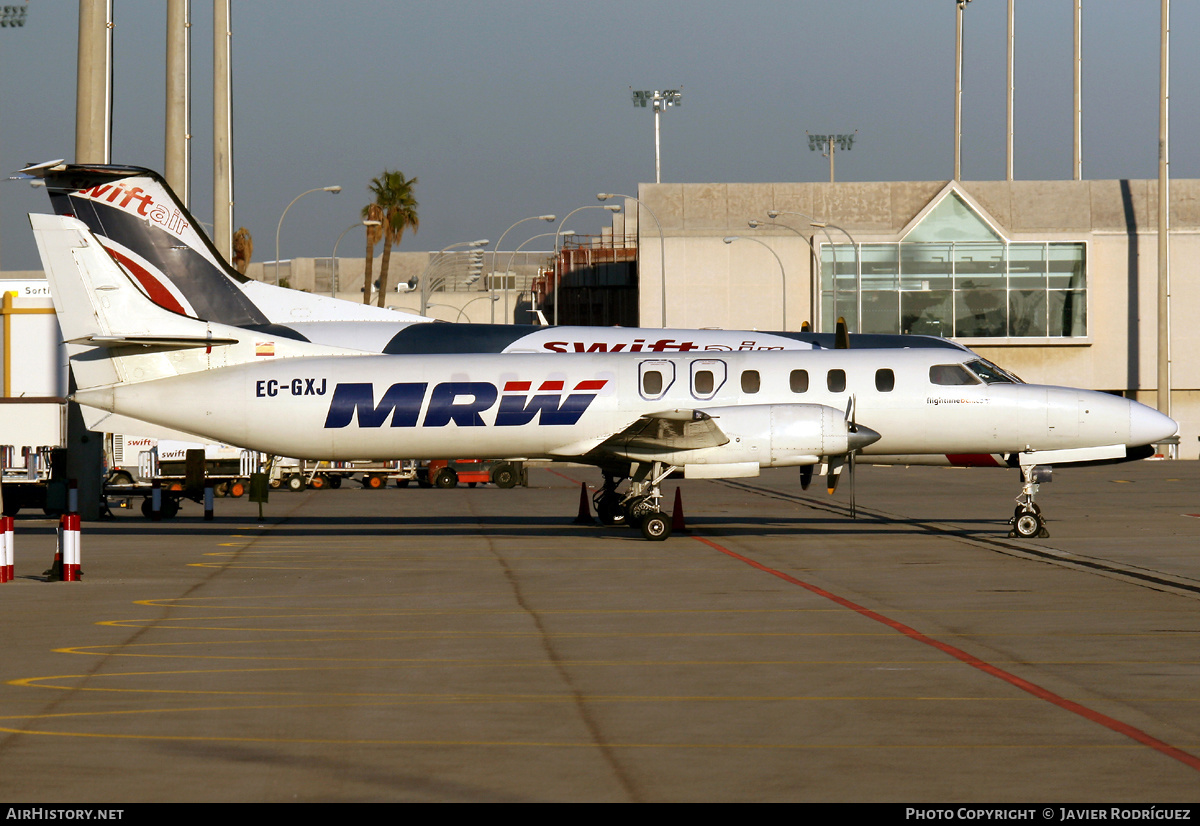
[(660, 101), (826, 142)]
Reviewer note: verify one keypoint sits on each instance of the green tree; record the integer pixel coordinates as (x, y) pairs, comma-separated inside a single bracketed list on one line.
[(394, 195), (371, 212)]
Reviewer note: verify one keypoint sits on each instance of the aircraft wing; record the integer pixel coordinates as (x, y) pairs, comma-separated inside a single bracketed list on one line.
[(666, 431), (669, 430)]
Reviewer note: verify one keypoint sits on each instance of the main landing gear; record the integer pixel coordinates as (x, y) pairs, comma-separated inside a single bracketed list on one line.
[(1027, 521), (640, 505)]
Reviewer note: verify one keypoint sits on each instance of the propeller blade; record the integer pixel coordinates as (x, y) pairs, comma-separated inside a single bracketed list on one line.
[(850, 471), (806, 476), (836, 463), (841, 335), (805, 327)]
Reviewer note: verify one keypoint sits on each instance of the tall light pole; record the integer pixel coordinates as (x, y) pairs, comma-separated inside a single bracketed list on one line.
[(333, 280), (662, 249), (333, 189), (609, 207), (1164, 216), (659, 101), (548, 218), (826, 142), (729, 239), (958, 56)]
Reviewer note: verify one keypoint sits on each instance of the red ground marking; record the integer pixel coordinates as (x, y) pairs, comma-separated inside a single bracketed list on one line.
[(973, 661)]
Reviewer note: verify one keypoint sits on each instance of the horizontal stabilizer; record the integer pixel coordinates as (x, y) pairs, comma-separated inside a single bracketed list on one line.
[(154, 341)]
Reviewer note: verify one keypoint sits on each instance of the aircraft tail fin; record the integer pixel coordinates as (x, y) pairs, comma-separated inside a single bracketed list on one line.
[(115, 332), (153, 236), (147, 229)]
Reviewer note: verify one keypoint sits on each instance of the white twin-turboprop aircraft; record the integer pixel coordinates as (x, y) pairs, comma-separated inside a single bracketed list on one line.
[(642, 415)]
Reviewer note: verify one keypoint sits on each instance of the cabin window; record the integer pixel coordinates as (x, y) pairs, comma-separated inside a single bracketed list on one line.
[(750, 381), (704, 382), (836, 380), (799, 381), (885, 380), (951, 375), (652, 383)]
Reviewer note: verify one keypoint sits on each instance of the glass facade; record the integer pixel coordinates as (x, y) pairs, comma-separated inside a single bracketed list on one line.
[(954, 276)]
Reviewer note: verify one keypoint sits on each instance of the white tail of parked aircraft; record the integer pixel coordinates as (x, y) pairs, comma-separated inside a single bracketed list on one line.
[(641, 415)]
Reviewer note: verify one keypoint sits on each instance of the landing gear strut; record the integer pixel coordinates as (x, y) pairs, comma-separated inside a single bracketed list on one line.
[(641, 506), (1027, 521)]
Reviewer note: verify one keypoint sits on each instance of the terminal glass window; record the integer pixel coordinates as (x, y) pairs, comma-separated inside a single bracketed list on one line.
[(955, 276)]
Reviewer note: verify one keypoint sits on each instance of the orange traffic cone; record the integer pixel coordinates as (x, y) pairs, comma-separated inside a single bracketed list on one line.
[(585, 511), (677, 525)]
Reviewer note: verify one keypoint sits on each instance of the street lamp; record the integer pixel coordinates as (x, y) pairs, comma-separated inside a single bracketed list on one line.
[(729, 239), (463, 309), (660, 101), (812, 271), (549, 218), (333, 282), (662, 249), (513, 254), (426, 287), (823, 226), (333, 189), (614, 208)]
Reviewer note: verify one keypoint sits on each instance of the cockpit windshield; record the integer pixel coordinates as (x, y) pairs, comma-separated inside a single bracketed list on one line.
[(990, 373)]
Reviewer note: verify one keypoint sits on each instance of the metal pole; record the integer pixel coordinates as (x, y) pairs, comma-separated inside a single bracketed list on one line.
[(1164, 217), (175, 167), (1078, 165), (223, 135), (958, 32), (657, 156), (1011, 41)]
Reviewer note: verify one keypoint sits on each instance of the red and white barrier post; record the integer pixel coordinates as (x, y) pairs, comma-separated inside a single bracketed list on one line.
[(8, 544), (71, 547)]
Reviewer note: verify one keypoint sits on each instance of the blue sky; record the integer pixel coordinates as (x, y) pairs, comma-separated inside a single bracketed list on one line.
[(506, 110)]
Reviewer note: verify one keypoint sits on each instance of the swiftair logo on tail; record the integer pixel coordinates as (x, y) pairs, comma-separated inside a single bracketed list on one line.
[(462, 403)]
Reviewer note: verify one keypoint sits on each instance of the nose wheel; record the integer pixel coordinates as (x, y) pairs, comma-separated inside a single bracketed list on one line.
[(1027, 521)]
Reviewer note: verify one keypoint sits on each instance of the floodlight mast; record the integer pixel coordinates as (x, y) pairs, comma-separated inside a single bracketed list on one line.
[(826, 142), (660, 101)]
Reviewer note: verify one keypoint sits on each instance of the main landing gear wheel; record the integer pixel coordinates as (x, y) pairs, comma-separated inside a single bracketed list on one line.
[(656, 527)]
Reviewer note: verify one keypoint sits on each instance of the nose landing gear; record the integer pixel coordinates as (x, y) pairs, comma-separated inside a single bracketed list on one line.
[(1027, 521)]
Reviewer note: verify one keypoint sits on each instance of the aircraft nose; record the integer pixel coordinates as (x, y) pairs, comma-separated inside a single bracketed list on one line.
[(1147, 425)]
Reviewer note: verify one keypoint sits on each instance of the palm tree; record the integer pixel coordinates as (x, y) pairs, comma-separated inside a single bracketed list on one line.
[(371, 212), (394, 195), (243, 248)]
